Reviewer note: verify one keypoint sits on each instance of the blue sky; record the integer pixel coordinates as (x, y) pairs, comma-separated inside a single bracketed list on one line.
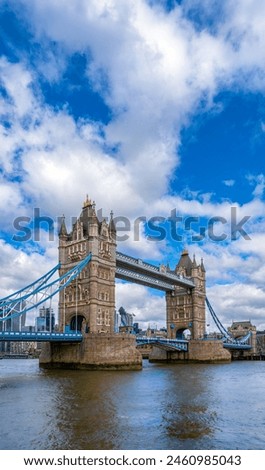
[(148, 107)]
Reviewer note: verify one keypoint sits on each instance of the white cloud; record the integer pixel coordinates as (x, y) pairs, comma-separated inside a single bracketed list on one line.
[(238, 302), (147, 307), (19, 268), (152, 90), (259, 182), (229, 183)]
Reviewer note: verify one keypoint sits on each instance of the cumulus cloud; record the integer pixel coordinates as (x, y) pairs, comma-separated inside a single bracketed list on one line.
[(232, 302), (147, 307), (29, 266)]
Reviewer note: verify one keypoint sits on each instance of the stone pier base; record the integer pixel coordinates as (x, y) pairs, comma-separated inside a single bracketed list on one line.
[(95, 352), (208, 351)]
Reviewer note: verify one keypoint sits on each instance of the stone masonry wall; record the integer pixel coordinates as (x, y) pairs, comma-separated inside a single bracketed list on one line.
[(208, 351), (95, 352), (199, 351)]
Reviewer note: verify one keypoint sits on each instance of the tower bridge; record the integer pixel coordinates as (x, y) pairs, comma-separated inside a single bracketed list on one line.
[(88, 266)]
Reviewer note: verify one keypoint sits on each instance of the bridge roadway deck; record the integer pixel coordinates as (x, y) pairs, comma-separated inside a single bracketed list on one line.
[(41, 336), (75, 337), (237, 346), (164, 343), (182, 345), (140, 272)]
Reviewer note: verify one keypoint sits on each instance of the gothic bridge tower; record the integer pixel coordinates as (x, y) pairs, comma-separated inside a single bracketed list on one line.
[(88, 303), (186, 307)]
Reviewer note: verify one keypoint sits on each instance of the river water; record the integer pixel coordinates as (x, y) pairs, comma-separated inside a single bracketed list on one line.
[(181, 406)]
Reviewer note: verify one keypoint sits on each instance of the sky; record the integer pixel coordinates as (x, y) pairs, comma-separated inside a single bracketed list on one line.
[(155, 109)]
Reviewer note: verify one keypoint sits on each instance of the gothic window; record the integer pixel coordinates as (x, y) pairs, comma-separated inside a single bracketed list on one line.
[(105, 246), (99, 317), (181, 300), (107, 318)]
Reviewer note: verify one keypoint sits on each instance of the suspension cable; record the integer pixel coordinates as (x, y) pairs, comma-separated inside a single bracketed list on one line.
[(223, 330), (46, 292)]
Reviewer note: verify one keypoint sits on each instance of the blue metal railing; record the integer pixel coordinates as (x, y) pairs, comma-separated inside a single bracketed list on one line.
[(175, 344), (40, 336)]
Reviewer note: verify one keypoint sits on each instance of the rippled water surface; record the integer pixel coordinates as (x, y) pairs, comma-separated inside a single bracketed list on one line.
[(161, 407)]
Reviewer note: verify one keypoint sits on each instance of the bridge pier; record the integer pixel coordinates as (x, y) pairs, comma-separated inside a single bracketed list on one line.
[(201, 351), (160, 355), (95, 352)]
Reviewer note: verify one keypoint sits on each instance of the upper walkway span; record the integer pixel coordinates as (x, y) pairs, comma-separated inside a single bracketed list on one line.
[(140, 272)]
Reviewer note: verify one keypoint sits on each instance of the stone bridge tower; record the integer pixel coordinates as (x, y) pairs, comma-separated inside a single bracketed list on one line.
[(88, 303), (186, 307)]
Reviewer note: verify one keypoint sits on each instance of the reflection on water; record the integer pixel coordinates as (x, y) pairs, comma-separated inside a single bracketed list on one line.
[(161, 407), (190, 422)]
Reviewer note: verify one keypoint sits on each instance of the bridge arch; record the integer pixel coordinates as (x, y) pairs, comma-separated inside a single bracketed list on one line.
[(76, 322), (183, 333)]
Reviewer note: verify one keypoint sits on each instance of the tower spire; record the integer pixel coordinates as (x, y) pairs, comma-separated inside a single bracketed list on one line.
[(112, 224), (63, 231), (87, 202)]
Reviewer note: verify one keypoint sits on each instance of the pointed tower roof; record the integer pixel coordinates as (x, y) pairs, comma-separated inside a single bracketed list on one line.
[(88, 215), (87, 202), (63, 230), (202, 266), (185, 262), (112, 224)]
